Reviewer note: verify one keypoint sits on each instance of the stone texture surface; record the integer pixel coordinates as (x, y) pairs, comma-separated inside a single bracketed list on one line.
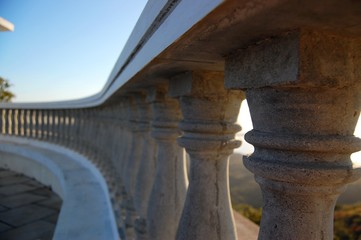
[(209, 125), (303, 127), (170, 184), (22, 215)]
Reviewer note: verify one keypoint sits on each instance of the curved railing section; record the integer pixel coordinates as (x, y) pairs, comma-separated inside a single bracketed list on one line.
[(178, 85)]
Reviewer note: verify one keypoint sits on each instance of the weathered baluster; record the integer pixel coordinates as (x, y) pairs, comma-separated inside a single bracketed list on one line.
[(146, 173), (52, 125), (22, 120), (66, 123), (7, 121), (170, 184), (61, 122), (2, 121), (13, 122), (73, 129), (19, 122), (46, 125), (27, 123), (40, 123), (132, 164), (35, 123), (81, 131), (209, 125), (304, 92)]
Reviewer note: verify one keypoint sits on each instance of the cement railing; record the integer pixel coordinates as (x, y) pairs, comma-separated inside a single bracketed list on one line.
[(179, 84)]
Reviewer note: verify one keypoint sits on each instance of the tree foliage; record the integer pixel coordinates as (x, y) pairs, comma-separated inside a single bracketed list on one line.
[(5, 94)]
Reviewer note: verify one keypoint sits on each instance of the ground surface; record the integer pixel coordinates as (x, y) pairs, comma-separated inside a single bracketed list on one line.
[(28, 210)]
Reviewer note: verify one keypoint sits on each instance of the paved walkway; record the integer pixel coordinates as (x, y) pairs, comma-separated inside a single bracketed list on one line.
[(28, 209)]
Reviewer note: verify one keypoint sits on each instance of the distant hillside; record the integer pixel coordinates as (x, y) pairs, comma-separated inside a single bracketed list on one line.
[(244, 189)]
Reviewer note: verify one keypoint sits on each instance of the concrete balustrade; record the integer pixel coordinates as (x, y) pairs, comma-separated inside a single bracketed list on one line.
[(178, 86)]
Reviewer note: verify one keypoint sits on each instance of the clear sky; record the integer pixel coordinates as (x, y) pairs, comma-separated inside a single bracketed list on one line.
[(63, 49)]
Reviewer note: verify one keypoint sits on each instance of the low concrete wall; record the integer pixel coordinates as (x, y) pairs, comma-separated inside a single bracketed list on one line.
[(86, 212)]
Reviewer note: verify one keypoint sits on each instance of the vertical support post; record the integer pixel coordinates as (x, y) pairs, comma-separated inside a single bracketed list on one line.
[(209, 126), (13, 122), (146, 173), (27, 119), (304, 97), (22, 122), (170, 184), (132, 165), (2, 121), (7, 121), (46, 125), (19, 122)]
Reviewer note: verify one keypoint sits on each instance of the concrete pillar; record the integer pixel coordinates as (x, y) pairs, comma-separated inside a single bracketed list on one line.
[(2, 121), (20, 124), (40, 125), (138, 127), (13, 121), (209, 126), (304, 92), (27, 122), (52, 130), (32, 123), (7, 121), (35, 117), (170, 183), (146, 173)]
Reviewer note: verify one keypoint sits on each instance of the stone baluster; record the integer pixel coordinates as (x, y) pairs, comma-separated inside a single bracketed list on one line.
[(31, 123), (47, 124), (19, 121), (40, 128), (79, 132), (2, 121), (67, 132), (27, 122), (170, 183), (55, 125), (209, 125), (61, 126), (146, 173), (82, 129), (87, 132), (35, 123), (131, 167), (303, 90), (71, 128), (7, 121), (74, 130), (52, 126), (14, 122), (10, 120), (125, 144), (127, 141), (22, 122)]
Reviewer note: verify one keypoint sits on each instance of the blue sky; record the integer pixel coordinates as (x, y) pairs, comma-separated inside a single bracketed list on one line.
[(63, 49)]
